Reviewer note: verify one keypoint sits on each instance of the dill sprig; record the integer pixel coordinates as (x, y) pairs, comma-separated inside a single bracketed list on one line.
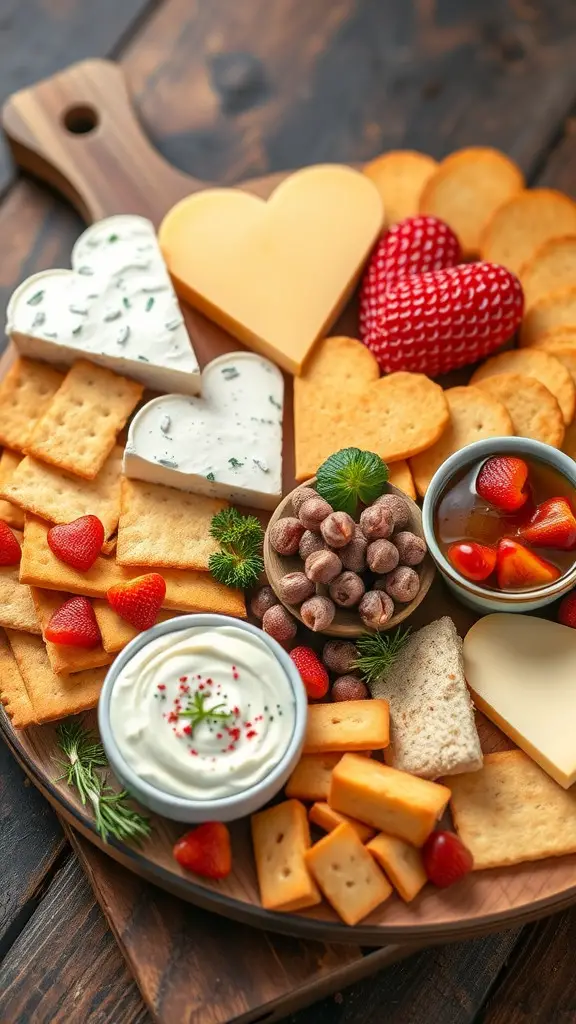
[(85, 760), (197, 711), (377, 652), (239, 562)]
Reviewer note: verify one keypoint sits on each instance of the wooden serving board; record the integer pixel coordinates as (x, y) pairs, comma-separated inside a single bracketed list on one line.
[(78, 132)]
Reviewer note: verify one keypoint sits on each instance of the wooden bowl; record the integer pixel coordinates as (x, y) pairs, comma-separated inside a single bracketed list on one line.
[(347, 622)]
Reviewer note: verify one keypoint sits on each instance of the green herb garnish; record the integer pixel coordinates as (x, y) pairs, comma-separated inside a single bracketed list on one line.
[(210, 477), (350, 476), (239, 562), (85, 758), (149, 304), (35, 299), (235, 463), (197, 712), (377, 653)]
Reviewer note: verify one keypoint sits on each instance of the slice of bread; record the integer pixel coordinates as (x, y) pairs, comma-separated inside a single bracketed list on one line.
[(432, 728)]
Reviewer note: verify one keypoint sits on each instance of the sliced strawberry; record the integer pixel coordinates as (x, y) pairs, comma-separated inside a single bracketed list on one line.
[(74, 624), (472, 560), (77, 543), (312, 671), (139, 600), (446, 859), (206, 850), (518, 568), (502, 481), (567, 610), (552, 525), (10, 553)]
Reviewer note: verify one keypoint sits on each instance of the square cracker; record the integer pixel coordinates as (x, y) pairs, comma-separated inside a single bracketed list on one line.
[(162, 526), (13, 692), (186, 590), (116, 632), (16, 605), (79, 428), (64, 658), (25, 393), (10, 513), (60, 497), (511, 811), (346, 873), (53, 696)]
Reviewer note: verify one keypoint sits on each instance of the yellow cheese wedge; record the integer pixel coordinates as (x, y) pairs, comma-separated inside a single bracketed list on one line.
[(522, 673), (277, 273)]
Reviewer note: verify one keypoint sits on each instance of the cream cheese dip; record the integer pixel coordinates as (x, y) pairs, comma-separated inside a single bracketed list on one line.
[(203, 713)]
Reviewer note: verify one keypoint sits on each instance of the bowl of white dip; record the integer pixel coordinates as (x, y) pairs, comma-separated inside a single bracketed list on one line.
[(203, 718)]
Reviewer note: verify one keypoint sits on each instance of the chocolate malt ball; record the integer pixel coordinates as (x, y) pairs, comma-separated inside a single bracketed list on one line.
[(279, 624), (310, 542), (317, 613), (376, 609), (322, 566), (347, 589), (353, 556), (398, 508), (285, 535), (382, 556), (295, 587), (338, 529), (349, 688), (313, 513), (339, 656), (300, 496), (376, 521), (403, 584), (411, 548), (263, 599)]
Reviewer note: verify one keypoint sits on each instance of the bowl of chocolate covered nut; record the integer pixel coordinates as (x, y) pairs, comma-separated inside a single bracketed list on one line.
[(345, 552)]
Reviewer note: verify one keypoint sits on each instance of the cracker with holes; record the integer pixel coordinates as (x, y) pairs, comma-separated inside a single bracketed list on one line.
[(13, 693), (10, 513), (541, 365), (65, 659), (79, 428), (347, 725), (25, 393), (53, 696), (326, 818), (347, 874), (16, 605), (281, 837), (533, 409)]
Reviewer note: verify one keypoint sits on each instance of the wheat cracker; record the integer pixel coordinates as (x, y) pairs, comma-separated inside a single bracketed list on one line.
[(532, 407), (511, 811), (552, 312), (523, 223), (474, 414), (65, 659), (566, 355), (533, 363), (25, 393), (400, 476), (53, 696), (551, 267), (557, 337), (400, 176), (162, 526), (13, 692), (9, 513), (16, 605), (116, 632), (79, 428), (467, 189)]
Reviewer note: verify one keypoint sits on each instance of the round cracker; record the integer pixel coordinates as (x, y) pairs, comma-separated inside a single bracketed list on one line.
[(567, 356), (474, 414), (533, 362), (468, 188), (524, 223), (400, 177), (533, 409), (550, 313), (552, 267), (558, 337), (569, 442)]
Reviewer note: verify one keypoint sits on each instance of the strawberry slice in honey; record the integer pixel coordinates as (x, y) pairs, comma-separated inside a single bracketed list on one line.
[(502, 481), (518, 568), (552, 525), (472, 560)]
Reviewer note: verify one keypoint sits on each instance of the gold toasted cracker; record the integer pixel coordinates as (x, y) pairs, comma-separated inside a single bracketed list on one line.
[(511, 811), (347, 874), (116, 632), (60, 497), (474, 414), (79, 428), (533, 363), (53, 696), (523, 223), (400, 176), (25, 393), (13, 692), (467, 189), (400, 476), (16, 605), (552, 266), (162, 526), (569, 442), (533, 409), (10, 513), (340, 395), (186, 590), (558, 337), (554, 311), (64, 658), (566, 355)]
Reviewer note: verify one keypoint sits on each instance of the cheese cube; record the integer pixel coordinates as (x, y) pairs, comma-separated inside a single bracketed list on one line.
[(349, 725), (347, 874), (401, 862), (393, 801), (327, 818), (281, 836)]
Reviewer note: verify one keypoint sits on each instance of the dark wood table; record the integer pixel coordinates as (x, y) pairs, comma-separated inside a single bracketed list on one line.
[(229, 89)]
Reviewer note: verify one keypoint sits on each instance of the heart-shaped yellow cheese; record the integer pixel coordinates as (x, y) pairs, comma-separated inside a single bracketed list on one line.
[(275, 274)]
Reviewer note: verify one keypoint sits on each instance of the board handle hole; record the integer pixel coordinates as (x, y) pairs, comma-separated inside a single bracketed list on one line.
[(81, 119)]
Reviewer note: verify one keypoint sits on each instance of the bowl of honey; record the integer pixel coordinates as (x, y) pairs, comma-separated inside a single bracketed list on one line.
[(499, 519)]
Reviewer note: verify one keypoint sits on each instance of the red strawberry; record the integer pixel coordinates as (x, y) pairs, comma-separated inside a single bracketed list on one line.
[(74, 623), (433, 323), (472, 560), (502, 482), (567, 610), (551, 526), (205, 850), (416, 245), (517, 568), (139, 600), (10, 553), (314, 675), (446, 859), (77, 543)]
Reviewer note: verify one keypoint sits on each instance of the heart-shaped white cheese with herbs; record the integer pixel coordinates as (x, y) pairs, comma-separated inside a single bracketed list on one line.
[(116, 307), (226, 444)]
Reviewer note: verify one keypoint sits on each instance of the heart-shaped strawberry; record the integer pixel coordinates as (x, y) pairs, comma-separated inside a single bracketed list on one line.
[(552, 525), (518, 568), (139, 600), (77, 543), (10, 552), (433, 323), (502, 481), (74, 624), (415, 245)]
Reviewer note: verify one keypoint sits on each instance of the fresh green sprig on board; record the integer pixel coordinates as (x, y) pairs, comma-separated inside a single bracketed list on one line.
[(239, 562), (351, 476), (377, 652)]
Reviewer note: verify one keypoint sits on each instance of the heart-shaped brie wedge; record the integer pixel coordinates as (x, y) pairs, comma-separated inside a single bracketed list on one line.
[(226, 444), (116, 307)]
